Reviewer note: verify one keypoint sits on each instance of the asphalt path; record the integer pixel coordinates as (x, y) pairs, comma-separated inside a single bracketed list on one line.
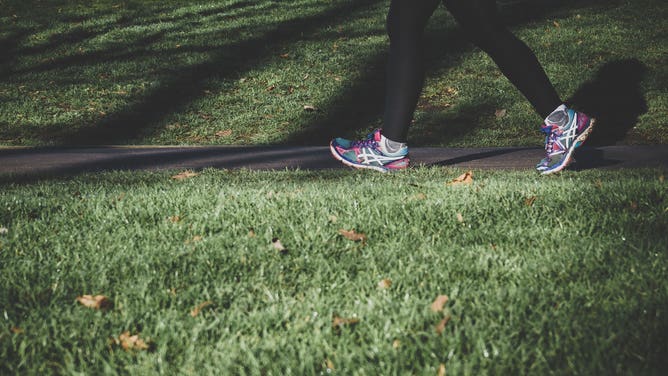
[(39, 162)]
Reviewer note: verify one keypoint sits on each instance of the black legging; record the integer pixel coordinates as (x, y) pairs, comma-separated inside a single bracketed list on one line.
[(479, 20)]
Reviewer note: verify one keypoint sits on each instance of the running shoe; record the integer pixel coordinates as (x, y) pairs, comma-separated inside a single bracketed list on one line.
[(561, 142), (367, 154)]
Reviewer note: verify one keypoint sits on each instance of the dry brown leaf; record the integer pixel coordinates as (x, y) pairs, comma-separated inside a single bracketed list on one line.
[(330, 365), (310, 108), (441, 370), (556, 24), (16, 330), (441, 325), (465, 178), (174, 218), (197, 238), (224, 133), (352, 235), (460, 218), (284, 56), (662, 178), (95, 302), (530, 200), (276, 243), (129, 342), (420, 196), (500, 113), (187, 174), (633, 205), (385, 283), (439, 303), (195, 311), (251, 233), (396, 344), (339, 322)]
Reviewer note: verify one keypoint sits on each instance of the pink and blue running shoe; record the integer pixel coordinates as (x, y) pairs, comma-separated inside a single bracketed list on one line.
[(561, 141), (367, 154)]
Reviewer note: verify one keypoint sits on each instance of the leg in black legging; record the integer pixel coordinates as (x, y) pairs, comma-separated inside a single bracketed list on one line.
[(405, 74), (478, 18), (480, 22)]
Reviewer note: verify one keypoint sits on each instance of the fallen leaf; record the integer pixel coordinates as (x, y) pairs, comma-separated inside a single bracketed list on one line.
[(420, 196), (530, 200), (276, 243), (284, 56), (95, 302), (662, 178), (333, 218), (598, 183), (441, 370), (396, 344), (129, 342), (224, 133), (16, 330), (500, 113), (310, 108), (195, 311), (439, 303), (185, 175), (4, 231), (385, 283), (330, 365), (339, 322), (441, 325), (465, 178), (460, 218), (251, 233), (556, 24), (174, 218), (352, 235), (195, 239)]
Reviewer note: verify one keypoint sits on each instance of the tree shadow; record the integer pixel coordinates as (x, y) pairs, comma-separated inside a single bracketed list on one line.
[(614, 97), (188, 84)]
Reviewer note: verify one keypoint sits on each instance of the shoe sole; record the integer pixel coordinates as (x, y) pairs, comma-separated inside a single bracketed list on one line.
[(358, 166), (578, 142)]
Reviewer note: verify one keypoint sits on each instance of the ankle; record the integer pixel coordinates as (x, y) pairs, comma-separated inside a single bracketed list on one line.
[(388, 146)]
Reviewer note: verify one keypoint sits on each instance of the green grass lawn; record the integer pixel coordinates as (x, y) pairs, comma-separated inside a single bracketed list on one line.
[(242, 72), (559, 275)]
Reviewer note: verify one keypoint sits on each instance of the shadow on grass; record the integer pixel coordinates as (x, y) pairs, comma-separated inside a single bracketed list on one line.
[(614, 98), (184, 85)]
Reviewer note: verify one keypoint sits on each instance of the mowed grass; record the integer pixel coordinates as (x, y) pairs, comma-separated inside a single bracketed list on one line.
[(559, 275), (303, 71)]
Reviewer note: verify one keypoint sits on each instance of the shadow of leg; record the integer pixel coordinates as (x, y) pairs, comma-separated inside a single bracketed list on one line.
[(614, 98)]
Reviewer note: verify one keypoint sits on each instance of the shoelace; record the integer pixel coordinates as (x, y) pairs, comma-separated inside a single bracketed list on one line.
[(369, 141), (551, 139)]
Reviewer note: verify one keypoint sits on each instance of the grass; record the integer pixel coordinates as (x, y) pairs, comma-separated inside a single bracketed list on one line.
[(558, 275), (240, 72)]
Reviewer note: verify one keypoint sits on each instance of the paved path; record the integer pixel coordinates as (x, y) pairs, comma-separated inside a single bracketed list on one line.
[(34, 162)]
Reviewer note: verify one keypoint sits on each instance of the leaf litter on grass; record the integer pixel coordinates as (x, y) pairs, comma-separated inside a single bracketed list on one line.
[(100, 302), (353, 235), (196, 311), (463, 179), (439, 303), (131, 342), (187, 174)]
